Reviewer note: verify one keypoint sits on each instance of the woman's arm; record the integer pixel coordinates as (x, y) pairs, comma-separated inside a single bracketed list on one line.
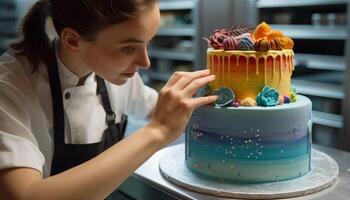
[(100, 176), (94, 179)]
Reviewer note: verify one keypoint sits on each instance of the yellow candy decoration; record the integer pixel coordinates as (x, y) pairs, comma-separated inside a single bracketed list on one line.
[(248, 102)]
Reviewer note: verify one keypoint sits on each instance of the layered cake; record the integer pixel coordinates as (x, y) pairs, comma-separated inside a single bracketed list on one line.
[(259, 130)]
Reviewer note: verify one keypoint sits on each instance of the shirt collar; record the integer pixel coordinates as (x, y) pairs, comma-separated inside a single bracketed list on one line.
[(68, 78)]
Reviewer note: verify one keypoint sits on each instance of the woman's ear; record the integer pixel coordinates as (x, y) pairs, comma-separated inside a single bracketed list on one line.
[(70, 39)]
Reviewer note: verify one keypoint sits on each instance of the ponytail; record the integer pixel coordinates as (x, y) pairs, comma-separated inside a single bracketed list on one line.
[(34, 43)]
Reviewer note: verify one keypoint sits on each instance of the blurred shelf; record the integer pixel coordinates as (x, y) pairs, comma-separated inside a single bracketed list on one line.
[(172, 54), (7, 15), (7, 29), (279, 3), (332, 77), (327, 119), (313, 32), (324, 62), (3, 46), (6, 3), (176, 5), (2, 50), (319, 89), (177, 31)]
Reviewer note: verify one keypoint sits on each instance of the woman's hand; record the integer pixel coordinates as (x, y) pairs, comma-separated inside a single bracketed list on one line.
[(176, 103)]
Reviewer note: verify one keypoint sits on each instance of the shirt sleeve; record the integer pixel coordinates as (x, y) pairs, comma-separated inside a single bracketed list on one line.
[(142, 99), (18, 146)]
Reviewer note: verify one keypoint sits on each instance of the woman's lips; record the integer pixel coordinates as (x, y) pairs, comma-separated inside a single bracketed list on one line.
[(129, 75)]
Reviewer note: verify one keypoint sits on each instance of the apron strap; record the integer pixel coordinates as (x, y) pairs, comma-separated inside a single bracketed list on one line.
[(102, 90), (57, 101)]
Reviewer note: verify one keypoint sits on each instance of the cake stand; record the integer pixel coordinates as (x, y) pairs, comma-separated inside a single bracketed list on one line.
[(324, 171)]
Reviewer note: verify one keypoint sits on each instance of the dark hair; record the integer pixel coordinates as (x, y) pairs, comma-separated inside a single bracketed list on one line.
[(87, 17)]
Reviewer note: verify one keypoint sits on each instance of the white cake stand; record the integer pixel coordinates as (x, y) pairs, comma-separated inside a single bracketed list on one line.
[(323, 174)]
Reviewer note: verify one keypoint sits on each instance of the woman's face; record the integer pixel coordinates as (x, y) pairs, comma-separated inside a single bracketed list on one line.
[(120, 50)]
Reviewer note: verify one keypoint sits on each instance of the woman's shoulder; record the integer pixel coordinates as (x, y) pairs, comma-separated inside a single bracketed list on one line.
[(10, 61), (16, 74)]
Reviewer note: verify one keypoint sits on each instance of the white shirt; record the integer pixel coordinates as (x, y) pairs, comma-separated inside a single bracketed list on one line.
[(26, 115)]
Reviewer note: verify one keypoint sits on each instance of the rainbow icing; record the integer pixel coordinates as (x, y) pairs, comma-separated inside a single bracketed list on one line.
[(246, 61), (247, 72), (259, 129)]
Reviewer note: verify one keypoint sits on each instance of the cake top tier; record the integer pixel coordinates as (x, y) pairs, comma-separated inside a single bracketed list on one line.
[(243, 38)]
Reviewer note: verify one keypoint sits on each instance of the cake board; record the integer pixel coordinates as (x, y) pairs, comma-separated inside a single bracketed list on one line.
[(323, 174)]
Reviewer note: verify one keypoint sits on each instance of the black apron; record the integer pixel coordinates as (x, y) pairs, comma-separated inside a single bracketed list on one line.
[(67, 156)]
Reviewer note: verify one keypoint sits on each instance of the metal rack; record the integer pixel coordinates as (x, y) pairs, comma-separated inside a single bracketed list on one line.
[(8, 20), (332, 84), (345, 135)]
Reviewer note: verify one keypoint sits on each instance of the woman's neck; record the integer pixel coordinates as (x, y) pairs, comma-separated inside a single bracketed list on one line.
[(73, 64)]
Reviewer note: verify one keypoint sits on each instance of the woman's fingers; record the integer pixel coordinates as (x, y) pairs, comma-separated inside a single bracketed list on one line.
[(187, 78), (174, 78), (201, 101), (175, 102), (197, 84)]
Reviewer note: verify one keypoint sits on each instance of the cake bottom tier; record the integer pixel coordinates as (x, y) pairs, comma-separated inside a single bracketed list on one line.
[(251, 144)]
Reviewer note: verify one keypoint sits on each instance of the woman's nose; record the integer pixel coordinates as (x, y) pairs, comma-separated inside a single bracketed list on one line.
[(143, 60)]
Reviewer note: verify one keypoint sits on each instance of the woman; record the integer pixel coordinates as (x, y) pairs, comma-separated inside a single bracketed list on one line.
[(63, 103)]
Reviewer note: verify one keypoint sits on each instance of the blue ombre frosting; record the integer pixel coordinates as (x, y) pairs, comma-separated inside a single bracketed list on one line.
[(251, 144)]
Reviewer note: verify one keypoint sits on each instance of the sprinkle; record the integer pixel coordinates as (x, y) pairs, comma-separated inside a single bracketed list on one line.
[(235, 104), (286, 99)]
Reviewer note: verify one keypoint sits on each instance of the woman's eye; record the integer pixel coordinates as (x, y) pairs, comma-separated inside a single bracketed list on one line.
[(128, 50)]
